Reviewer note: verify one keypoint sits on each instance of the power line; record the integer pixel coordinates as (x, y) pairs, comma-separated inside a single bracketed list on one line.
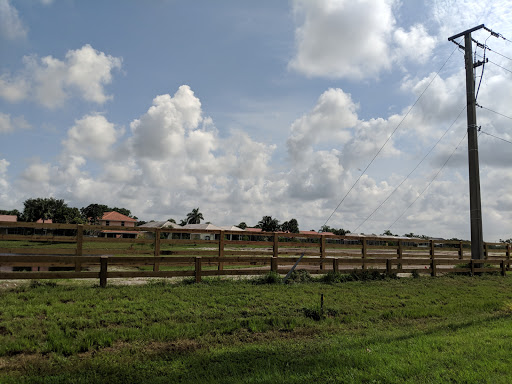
[(492, 50), (431, 181), (490, 110), (389, 137), (416, 167), (496, 137), (492, 62)]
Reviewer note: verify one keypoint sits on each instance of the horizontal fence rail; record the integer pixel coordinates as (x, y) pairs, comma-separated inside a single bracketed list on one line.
[(61, 251)]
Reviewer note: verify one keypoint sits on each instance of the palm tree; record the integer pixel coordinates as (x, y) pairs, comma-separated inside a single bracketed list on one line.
[(194, 217), (268, 224)]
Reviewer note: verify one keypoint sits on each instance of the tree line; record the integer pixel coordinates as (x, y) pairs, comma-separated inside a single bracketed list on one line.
[(58, 211)]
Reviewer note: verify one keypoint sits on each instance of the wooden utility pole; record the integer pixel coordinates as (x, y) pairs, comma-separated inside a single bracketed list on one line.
[(477, 240)]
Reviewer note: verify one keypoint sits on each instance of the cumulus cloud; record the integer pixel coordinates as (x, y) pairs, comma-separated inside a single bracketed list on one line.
[(354, 39), (343, 38), (161, 131), (9, 124), (13, 89), (92, 136), (327, 122), (415, 45), (11, 26), (49, 81)]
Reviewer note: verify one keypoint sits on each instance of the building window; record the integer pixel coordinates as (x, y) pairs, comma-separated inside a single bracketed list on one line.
[(122, 223), (107, 223)]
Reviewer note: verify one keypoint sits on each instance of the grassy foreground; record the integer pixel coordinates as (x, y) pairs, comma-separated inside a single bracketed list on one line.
[(426, 330)]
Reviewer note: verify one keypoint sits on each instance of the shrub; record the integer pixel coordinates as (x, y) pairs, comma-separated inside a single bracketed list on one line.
[(299, 276), (269, 278)]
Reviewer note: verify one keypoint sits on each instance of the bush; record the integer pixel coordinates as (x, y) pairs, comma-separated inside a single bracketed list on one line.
[(299, 276), (269, 278), (366, 274)]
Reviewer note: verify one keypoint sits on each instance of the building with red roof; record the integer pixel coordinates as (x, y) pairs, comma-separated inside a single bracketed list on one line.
[(116, 219)]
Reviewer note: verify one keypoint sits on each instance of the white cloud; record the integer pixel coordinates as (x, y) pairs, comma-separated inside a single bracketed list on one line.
[(37, 173), (89, 70), (92, 136), (160, 133), (9, 124), (11, 26), (13, 89), (327, 122), (343, 38), (50, 81), (415, 45), (5, 195)]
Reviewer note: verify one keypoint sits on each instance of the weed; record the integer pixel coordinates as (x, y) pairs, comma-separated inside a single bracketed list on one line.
[(269, 278), (37, 284), (299, 276), (415, 274)]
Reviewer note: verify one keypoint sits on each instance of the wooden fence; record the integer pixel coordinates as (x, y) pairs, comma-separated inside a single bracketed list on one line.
[(61, 251)]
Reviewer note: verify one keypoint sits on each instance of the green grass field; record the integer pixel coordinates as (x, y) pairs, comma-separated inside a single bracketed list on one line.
[(425, 330)]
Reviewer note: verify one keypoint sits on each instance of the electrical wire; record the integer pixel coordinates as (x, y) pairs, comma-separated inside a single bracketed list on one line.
[(389, 137), (496, 137), (496, 64), (483, 65), (431, 181), (492, 50), (416, 167), (490, 110)]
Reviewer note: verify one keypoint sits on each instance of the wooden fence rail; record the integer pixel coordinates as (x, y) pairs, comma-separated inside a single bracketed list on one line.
[(86, 267), (43, 248)]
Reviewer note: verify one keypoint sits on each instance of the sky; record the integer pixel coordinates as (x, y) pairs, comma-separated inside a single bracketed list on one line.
[(251, 108)]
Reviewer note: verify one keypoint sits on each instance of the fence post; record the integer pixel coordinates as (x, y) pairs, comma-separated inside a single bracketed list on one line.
[(273, 264), (79, 239), (400, 253), (221, 250), (322, 250), (156, 264), (503, 266), (103, 271), (433, 268), (79, 245), (461, 251), (198, 269), (335, 265), (432, 250), (364, 253), (486, 251), (508, 255), (389, 266)]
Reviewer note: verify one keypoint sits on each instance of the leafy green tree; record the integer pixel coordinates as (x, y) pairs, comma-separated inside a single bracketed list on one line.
[(93, 213), (242, 225), (73, 216), (339, 232), (46, 209), (291, 226), (194, 217), (387, 232), (268, 224)]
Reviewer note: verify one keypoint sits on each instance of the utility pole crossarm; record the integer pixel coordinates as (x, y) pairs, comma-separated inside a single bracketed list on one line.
[(466, 32)]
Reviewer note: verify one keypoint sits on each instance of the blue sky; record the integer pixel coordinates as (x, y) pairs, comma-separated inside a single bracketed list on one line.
[(247, 109)]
